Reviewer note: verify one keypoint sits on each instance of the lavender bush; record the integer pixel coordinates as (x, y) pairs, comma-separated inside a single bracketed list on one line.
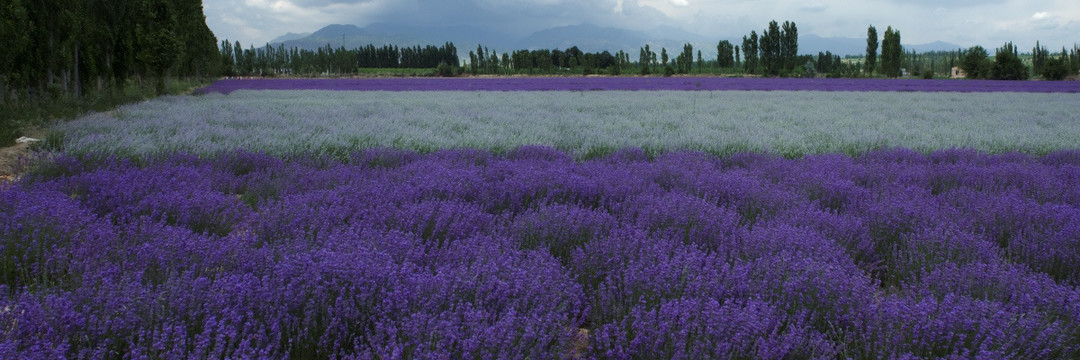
[(475, 254), (584, 125)]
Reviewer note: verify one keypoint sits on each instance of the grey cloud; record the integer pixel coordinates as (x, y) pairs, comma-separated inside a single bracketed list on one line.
[(322, 3), (965, 22), (520, 17), (950, 4)]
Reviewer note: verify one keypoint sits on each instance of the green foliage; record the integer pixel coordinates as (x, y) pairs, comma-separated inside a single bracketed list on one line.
[(1007, 64), (975, 63), (871, 49), (779, 47), (827, 63), (685, 61), (60, 59), (444, 70), (401, 72), (771, 63), (1074, 59), (1055, 69), (891, 53), (724, 52), (644, 59), (750, 47), (1039, 56), (160, 51), (789, 46), (808, 70)]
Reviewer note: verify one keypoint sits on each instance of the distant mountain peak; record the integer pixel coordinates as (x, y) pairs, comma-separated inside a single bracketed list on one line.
[(289, 36), (337, 30)]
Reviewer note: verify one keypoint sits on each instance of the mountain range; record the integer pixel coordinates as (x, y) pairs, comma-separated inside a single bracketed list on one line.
[(587, 37)]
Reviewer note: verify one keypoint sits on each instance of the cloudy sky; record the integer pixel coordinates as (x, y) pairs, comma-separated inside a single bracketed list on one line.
[(989, 23)]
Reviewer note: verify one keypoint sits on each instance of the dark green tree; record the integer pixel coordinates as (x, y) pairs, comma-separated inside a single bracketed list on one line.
[(1039, 55), (892, 53), (668, 71), (198, 53), (771, 62), (474, 65), (1007, 64), (1074, 59), (644, 60), (724, 54), (238, 62), (1055, 69), (974, 61), (159, 44), (480, 57), (750, 52), (789, 47), (685, 60), (871, 49), (16, 43)]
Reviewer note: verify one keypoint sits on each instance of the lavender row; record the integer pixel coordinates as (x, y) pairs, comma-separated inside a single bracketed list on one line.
[(468, 254), (640, 84), (585, 125)]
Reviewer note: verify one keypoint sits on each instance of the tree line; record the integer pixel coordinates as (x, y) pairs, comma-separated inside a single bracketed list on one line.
[(55, 49), (270, 60), (1008, 64), (774, 53), (975, 61)]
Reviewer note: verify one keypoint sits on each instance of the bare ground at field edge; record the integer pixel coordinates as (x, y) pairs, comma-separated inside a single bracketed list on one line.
[(13, 159)]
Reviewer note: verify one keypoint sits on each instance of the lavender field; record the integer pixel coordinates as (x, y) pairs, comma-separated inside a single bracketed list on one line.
[(386, 224), (641, 84), (583, 124), (466, 254)]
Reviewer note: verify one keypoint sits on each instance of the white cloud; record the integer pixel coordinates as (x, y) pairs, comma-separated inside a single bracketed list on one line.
[(1040, 15), (680, 2)]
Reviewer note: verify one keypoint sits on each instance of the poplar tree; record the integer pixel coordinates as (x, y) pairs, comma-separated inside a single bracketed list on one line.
[(871, 49), (1038, 58), (750, 52), (724, 51), (771, 62), (891, 53), (789, 47)]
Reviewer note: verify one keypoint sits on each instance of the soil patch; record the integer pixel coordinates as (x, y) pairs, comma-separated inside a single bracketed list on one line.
[(14, 159)]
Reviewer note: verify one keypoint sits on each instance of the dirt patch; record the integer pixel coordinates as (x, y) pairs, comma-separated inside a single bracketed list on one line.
[(14, 159), (581, 344)]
